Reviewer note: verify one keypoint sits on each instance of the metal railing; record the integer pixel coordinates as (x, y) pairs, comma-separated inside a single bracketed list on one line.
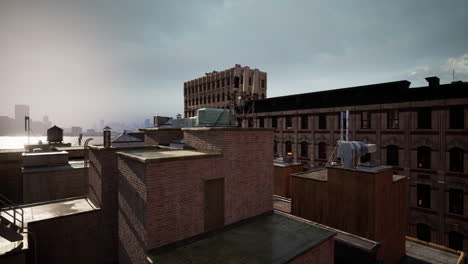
[(16, 213)]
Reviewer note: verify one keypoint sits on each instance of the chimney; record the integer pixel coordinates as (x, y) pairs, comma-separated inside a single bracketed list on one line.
[(433, 81)]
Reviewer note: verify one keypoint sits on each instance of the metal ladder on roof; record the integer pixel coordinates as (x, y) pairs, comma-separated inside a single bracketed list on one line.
[(11, 220)]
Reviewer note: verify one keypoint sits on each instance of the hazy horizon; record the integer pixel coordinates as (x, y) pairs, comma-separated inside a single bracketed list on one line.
[(124, 61)]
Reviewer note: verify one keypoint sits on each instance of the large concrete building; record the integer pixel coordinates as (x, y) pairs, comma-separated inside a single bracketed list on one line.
[(420, 132), (215, 88)]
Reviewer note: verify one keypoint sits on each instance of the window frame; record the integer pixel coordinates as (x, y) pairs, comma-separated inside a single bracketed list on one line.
[(322, 150), (424, 118), (393, 119), (367, 122), (322, 119), (456, 203), (421, 156), (304, 146)]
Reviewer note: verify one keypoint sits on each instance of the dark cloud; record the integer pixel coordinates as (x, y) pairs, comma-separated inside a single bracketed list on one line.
[(136, 54)]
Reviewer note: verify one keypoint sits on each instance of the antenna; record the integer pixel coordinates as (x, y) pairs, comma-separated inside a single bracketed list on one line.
[(453, 74)]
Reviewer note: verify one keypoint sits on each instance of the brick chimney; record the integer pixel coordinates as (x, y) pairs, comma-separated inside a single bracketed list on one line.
[(433, 81)]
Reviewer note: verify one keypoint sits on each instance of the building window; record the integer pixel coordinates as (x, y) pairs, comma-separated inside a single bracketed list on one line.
[(275, 147), (366, 158), (456, 240), (236, 82), (424, 157), (242, 79), (213, 98), (392, 155), (304, 122), (250, 80), (322, 150), (423, 232), (218, 83), (228, 81), (424, 117), (457, 117), (322, 121), (274, 122), (263, 84), (304, 149), (239, 122), (288, 148), (223, 98), (344, 121), (261, 122), (250, 122), (423, 194), (209, 99), (393, 119), (263, 96), (456, 197), (223, 82), (365, 119), (456, 159), (217, 98), (289, 122)]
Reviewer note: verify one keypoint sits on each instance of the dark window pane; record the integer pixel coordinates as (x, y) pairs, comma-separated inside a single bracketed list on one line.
[(392, 155), (288, 148), (322, 148), (322, 121), (456, 159), (424, 158), (424, 117), (456, 197), (423, 232), (393, 119), (274, 122), (456, 240), (304, 149), (423, 194), (457, 117)]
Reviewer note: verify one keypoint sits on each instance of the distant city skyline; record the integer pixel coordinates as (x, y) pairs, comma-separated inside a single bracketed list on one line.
[(82, 61)]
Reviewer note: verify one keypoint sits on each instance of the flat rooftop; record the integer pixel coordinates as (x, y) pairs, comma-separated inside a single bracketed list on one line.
[(418, 254), (41, 211), (149, 156), (272, 238)]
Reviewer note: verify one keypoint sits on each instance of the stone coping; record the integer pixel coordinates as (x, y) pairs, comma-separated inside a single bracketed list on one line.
[(159, 128), (48, 153), (161, 155), (116, 148), (286, 164), (226, 129)]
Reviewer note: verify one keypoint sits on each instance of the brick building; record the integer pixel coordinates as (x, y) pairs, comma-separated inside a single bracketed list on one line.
[(421, 132), (214, 89)]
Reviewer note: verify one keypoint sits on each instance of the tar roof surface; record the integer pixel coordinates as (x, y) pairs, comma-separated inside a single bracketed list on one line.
[(271, 238)]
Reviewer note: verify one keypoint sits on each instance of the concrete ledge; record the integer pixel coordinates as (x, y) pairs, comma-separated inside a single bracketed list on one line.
[(158, 129), (226, 129), (166, 155), (44, 159)]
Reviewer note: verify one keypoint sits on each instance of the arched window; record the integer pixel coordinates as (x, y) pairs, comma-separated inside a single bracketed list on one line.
[(304, 149), (423, 232), (456, 240), (424, 158), (392, 155), (456, 159), (288, 148), (322, 150)]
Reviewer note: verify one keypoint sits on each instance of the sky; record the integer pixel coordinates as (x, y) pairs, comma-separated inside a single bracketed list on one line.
[(80, 61)]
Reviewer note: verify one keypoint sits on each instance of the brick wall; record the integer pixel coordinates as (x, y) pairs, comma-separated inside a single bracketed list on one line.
[(53, 184), (68, 239), (320, 254), (161, 136), (132, 211), (11, 182), (175, 189)]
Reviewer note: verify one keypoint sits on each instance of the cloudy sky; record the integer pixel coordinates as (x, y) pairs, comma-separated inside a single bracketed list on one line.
[(84, 60)]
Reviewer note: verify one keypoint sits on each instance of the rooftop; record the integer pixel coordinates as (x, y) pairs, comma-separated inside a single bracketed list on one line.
[(273, 238), (149, 156), (380, 93), (428, 254)]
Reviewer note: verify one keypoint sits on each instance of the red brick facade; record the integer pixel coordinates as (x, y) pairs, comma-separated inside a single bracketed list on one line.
[(163, 202)]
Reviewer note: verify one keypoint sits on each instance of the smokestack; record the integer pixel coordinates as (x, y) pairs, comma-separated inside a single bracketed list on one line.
[(433, 81), (107, 137)]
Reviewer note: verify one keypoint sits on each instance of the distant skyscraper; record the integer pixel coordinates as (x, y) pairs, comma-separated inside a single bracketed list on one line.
[(148, 123)]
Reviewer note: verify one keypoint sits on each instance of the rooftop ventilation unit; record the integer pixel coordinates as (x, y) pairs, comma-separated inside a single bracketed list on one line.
[(351, 151)]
